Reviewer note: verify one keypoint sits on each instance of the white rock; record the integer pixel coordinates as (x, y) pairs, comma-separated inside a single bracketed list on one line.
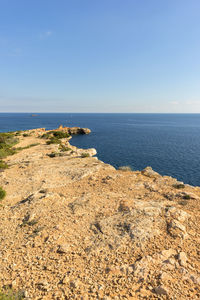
[(182, 258)]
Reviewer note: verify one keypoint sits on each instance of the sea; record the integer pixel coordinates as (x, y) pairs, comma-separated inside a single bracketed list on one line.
[(169, 143)]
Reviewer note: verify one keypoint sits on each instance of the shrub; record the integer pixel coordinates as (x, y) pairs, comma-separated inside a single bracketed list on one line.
[(53, 140), (84, 154), (60, 134), (18, 132), (6, 151), (178, 185), (3, 165), (2, 193), (45, 136), (7, 141), (27, 147), (26, 134), (53, 154), (64, 148), (186, 197), (125, 168), (9, 294)]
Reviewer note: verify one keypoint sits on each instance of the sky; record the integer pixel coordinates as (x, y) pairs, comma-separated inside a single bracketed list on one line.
[(139, 56)]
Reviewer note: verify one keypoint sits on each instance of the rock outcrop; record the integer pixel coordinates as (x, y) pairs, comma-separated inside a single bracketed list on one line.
[(73, 227), (74, 130)]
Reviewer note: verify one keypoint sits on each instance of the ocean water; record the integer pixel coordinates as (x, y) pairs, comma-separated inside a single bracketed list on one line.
[(169, 143)]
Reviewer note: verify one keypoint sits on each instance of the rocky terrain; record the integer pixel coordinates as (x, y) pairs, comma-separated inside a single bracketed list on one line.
[(73, 227)]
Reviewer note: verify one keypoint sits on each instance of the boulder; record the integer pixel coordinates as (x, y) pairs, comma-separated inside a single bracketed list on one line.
[(149, 172)]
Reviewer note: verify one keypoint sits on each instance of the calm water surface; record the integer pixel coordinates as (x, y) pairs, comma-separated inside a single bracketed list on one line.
[(170, 143)]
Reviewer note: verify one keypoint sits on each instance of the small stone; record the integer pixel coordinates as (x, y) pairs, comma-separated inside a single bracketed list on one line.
[(65, 280), (168, 253), (160, 290), (75, 284), (43, 285), (195, 279), (63, 248), (14, 284), (165, 276), (182, 258)]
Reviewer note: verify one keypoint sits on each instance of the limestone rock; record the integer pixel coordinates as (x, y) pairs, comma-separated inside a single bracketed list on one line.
[(176, 229), (168, 253), (177, 214), (63, 248), (84, 152), (182, 257), (149, 172)]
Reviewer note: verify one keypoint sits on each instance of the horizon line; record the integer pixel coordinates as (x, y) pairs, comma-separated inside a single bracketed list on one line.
[(34, 112)]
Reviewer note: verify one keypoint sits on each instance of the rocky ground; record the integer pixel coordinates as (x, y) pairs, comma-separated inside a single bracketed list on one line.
[(73, 227)]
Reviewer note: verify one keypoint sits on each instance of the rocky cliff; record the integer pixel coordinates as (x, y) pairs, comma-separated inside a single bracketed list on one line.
[(73, 227)]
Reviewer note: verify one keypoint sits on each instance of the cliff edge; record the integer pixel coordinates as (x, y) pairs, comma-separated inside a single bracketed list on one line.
[(73, 227)]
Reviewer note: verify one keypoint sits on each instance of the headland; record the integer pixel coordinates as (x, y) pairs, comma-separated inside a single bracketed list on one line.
[(73, 227)]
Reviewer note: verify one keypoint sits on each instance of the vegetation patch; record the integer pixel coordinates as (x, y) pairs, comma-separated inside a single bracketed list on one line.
[(27, 147), (7, 141), (84, 154), (2, 193), (63, 148), (53, 140), (45, 136), (19, 132), (9, 294), (60, 134), (54, 154), (55, 134), (57, 154), (3, 165), (28, 222), (186, 197), (125, 168), (178, 186)]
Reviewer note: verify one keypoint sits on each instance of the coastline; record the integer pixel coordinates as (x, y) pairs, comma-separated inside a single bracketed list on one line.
[(112, 233)]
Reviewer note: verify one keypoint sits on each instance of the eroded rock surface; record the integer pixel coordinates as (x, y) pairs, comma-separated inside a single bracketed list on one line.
[(73, 227)]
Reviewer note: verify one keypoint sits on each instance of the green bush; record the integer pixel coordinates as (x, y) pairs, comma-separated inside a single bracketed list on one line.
[(53, 140), (9, 294), (7, 141), (178, 186), (18, 132), (60, 134), (45, 136), (53, 154), (187, 197), (3, 165), (84, 154), (4, 152), (2, 193), (64, 148)]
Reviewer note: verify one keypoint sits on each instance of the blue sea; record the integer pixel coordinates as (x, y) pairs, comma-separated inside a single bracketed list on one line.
[(169, 143)]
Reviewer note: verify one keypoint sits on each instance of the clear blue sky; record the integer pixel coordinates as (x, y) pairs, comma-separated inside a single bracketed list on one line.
[(99, 56)]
